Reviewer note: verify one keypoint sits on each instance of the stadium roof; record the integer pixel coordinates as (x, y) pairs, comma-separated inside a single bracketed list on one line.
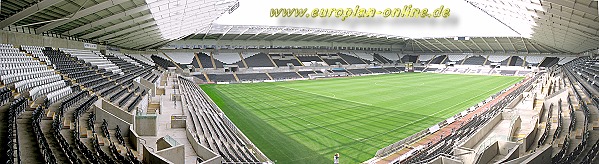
[(498, 26)]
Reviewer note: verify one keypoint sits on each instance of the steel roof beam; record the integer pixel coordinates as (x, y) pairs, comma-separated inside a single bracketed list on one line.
[(106, 20), (80, 14), (28, 12)]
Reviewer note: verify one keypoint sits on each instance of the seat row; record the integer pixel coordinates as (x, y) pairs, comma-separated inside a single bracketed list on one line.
[(21, 69), (13, 78), (16, 108), (46, 88), (36, 51), (49, 157), (5, 95), (211, 130), (52, 97), (30, 83)]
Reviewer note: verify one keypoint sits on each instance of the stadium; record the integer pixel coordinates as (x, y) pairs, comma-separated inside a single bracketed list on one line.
[(315, 82)]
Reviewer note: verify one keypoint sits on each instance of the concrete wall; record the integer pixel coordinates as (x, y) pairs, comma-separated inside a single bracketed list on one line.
[(174, 154), (480, 134), (151, 86), (18, 38), (541, 156), (514, 102), (118, 112), (209, 156), (134, 138), (445, 160), (489, 153), (515, 126), (511, 150), (146, 125), (112, 120), (555, 97), (153, 158), (530, 138), (465, 154)]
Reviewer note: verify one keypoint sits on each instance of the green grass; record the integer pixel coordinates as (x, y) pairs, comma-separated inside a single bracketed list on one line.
[(309, 121)]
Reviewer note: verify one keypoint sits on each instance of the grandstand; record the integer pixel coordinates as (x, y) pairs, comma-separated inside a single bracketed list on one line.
[(212, 82)]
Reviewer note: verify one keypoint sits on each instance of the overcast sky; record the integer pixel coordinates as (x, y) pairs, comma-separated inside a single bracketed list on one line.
[(465, 19)]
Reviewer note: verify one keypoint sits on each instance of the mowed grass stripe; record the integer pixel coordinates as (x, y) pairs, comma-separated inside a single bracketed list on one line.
[(352, 116), (325, 138)]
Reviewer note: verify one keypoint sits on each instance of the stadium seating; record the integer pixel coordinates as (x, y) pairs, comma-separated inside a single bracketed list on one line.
[(210, 128), (309, 58), (281, 60), (253, 77), (258, 60), (473, 60), (381, 59), (164, 63), (36, 51), (284, 75), (221, 77), (367, 58), (548, 61), (439, 59), (359, 71), (228, 59), (332, 59), (306, 74), (516, 61), (393, 69), (533, 60), (378, 70), (350, 59)]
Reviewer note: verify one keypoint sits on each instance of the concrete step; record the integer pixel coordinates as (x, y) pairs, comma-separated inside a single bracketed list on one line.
[(30, 151)]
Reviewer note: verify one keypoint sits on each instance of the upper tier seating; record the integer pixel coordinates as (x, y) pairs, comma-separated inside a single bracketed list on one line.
[(549, 61), (381, 59), (391, 57), (229, 59), (123, 57), (164, 63), (498, 59), (141, 59), (94, 58), (516, 61), (425, 58), (309, 58), (332, 59), (474, 60), (181, 57), (204, 59), (534, 60), (409, 58), (351, 59), (36, 51), (439, 59), (368, 58), (283, 59), (259, 60)]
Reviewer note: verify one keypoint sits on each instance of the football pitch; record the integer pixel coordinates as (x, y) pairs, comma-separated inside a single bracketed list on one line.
[(309, 121)]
